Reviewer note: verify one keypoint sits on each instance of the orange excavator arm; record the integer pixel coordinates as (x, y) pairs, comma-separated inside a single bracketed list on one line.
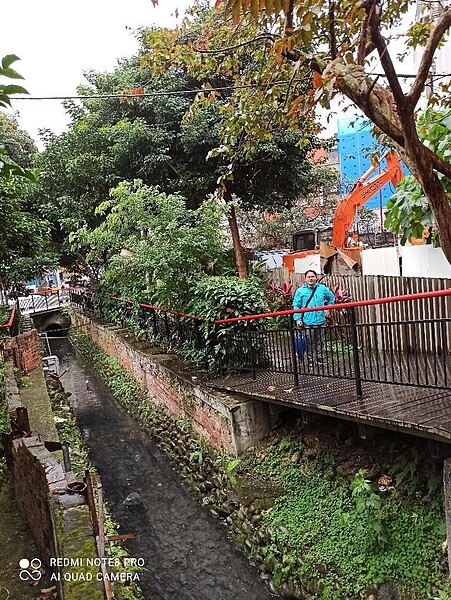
[(362, 190)]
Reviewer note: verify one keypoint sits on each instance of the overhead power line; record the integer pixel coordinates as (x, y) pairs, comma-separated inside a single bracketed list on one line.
[(126, 95), (134, 96)]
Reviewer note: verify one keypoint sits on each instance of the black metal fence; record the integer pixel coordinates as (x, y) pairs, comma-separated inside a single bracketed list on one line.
[(348, 347), (169, 328), (42, 302), (363, 352), (175, 328)]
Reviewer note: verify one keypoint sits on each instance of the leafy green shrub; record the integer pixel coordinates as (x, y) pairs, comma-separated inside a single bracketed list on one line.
[(227, 297), (4, 314), (280, 296), (168, 245)]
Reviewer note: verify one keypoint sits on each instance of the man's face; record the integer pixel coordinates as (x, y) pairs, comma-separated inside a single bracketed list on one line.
[(311, 279)]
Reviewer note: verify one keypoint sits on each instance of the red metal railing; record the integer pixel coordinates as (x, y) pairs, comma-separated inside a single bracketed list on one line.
[(410, 351), (347, 305), (11, 328)]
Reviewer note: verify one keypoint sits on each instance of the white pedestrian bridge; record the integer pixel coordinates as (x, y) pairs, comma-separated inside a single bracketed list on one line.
[(41, 303)]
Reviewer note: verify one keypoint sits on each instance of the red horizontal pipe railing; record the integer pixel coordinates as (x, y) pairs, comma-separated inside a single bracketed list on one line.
[(11, 319), (168, 310), (172, 312), (388, 300), (283, 313)]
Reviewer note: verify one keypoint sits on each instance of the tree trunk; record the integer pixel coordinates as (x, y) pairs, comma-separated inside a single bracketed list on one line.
[(237, 247), (380, 106), (434, 192)]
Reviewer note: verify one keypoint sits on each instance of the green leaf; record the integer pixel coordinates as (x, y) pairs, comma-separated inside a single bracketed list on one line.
[(14, 89), (10, 73), (8, 60)]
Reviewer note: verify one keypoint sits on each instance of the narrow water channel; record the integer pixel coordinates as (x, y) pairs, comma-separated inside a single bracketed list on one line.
[(186, 552)]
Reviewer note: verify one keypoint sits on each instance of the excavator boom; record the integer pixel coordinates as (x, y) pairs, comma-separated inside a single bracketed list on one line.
[(362, 190)]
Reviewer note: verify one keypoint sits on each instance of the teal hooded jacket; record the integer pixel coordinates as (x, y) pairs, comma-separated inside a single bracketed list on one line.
[(321, 297)]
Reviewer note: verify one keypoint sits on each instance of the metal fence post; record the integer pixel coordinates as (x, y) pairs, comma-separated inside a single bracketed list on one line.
[(197, 334), (355, 352), (154, 322), (447, 494), (251, 355), (293, 355), (180, 329), (166, 326)]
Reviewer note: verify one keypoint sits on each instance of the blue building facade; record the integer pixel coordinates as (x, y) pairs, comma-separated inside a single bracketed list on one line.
[(355, 146)]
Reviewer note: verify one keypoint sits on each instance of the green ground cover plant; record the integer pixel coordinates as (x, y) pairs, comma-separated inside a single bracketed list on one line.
[(345, 533)]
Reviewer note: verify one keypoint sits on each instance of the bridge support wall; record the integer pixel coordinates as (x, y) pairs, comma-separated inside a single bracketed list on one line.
[(226, 421)]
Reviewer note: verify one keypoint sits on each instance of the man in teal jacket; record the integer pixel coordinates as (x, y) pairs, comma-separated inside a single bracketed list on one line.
[(309, 295)]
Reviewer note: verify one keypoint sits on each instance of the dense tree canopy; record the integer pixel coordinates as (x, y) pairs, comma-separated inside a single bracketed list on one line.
[(166, 247), (263, 150), (328, 48), (23, 236), (154, 132)]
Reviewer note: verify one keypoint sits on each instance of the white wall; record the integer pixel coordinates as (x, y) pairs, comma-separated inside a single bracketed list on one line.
[(424, 261), (417, 261), (381, 261), (312, 261)]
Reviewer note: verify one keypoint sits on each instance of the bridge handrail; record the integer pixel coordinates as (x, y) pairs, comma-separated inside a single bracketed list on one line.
[(283, 313), (160, 308), (390, 350), (356, 304), (11, 328)]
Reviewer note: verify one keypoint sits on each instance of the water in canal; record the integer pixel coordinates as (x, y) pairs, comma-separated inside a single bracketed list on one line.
[(186, 552)]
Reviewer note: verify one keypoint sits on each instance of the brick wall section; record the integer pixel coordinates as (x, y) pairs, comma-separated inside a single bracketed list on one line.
[(224, 420), (28, 350), (59, 521), (31, 461)]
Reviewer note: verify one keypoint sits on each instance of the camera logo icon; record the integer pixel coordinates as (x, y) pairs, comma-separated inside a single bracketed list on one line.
[(30, 569)]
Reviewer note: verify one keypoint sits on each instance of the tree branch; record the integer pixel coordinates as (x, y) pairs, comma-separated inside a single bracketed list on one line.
[(264, 36), (361, 50), (443, 23), (374, 24), (289, 18), (332, 25)]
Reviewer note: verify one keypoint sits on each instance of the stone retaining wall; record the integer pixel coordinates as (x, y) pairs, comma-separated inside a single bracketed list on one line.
[(224, 420)]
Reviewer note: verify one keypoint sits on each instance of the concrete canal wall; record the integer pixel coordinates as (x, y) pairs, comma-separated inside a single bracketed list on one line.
[(229, 421)]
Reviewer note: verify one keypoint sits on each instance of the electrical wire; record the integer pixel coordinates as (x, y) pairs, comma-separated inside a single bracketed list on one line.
[(136, 96)]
